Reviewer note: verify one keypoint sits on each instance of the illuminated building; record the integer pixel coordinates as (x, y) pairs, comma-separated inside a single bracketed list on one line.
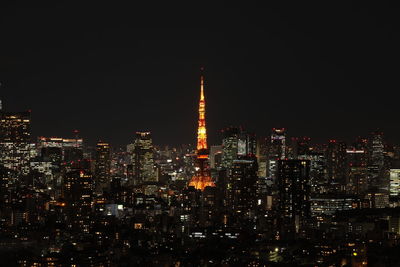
[(15, 127), (318, 179), (328, 204), (202, 178), (215, 157), (236, 144), (45, 168), (394, 224), (378, 200), (78, 193), (229, 146), (103, 165), (300, 147), (276, 150), (143, 159), (357, 173), (377, 149), (15, 147), (71, 149), (242, 187), (336, 163), (293, 179), (376, 165), (16, 156), (261, 154), (394, 182), (5, 183)]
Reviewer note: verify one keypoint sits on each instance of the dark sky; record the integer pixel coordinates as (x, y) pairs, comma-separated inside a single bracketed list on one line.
[(322, 69)]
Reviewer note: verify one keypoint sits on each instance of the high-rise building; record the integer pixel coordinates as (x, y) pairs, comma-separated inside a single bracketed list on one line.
[(230, 146), (300, 147), (215, 157), (78, 194), (15, 144), (143, 159), (336, 163), (357, 170), (15, 127), (318, 179), (394, 182), (261, 154), (103, 165), (377, 175), (237, 144), (71, 148), (276, 150), (243, 187), (202, 178), (293, 180)]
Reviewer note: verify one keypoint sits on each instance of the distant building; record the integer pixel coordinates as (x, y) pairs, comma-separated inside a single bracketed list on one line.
[(15, 141), (300, 146), (293, 179), (143, 159), (15, 127), (377, 200), (102, 166), (243, 187), (357, 171), (327, 205), (237, 144), (71, 149), (376, 162), (336, 163), (261, 154), (215, 157), (276, 150), (394, 182), (78, 194)]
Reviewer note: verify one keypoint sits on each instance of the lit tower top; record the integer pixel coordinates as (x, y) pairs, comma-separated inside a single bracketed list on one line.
[(201, 131), (202, 178)]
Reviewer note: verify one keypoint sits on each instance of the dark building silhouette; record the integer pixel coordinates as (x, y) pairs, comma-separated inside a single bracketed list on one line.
[(103, 165), (293, 180)]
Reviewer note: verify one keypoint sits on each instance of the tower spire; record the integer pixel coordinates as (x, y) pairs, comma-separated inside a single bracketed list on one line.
[(201, 130), (202, 178)]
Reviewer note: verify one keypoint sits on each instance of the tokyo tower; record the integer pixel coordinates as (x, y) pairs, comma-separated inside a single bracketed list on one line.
[(202, 178)]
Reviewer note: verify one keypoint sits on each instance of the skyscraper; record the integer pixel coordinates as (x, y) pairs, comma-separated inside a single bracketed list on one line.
[(293, 179), (78, 193), (276, 149), (377, 177), (15, 127), (202, 178), (15, 146), (143, 159), (357, 168), (103, 165), (229, 146), (242, 185), (336, 163), (237, 144)]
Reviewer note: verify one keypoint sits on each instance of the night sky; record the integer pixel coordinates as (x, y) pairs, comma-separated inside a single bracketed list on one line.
[(322, 70)]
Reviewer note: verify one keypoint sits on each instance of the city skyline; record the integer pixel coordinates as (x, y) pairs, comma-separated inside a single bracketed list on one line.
[(199, 135), (264, 66)]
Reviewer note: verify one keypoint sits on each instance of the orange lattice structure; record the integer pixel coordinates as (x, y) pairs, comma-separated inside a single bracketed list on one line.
[(202, 179)]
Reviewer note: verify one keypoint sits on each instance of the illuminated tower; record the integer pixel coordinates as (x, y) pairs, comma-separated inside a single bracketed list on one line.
[(202, 178)]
